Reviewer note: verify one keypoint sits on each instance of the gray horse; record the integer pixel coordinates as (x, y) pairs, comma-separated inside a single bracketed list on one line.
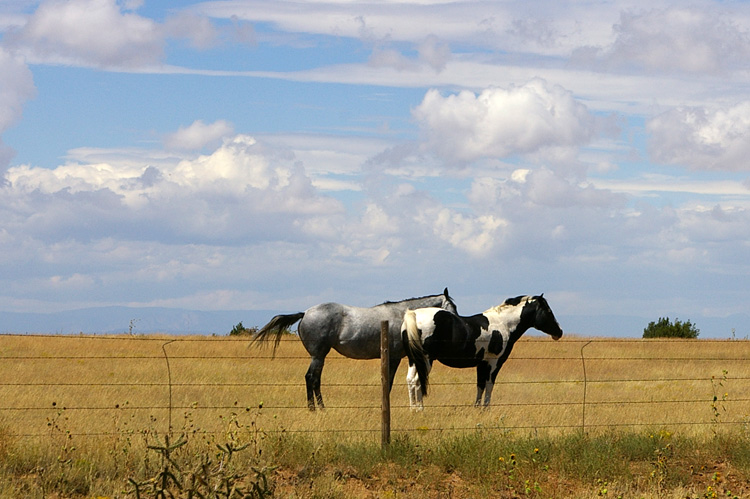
[(353, 332)]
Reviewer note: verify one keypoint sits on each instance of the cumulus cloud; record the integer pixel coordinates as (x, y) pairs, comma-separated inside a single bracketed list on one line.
[(103, 34), (682, 39), (474, 235), (546, 188), (498, 123), (88, 32), (198, 135), (243, 189), (702, 139)]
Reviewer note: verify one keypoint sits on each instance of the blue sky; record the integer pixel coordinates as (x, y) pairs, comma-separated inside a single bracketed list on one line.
[(274, 155)]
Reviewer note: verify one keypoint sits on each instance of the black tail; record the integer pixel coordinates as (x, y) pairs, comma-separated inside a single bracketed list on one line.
[(413, 346), (277, 326)]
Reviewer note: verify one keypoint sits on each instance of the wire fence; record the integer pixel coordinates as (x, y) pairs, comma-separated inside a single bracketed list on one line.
[(105, 385)]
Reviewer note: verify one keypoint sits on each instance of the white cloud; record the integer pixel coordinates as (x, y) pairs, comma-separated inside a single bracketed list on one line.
[(500, 123), (16, 87), (545, 188), (88, 32), (244, 189), (431, 52), (198, 135), (434, 52), (197, 29), (553, 27), (364, 20), (684, 39), (474, 235), (702, 139), (103, 34), (649, 185), (717, 224)]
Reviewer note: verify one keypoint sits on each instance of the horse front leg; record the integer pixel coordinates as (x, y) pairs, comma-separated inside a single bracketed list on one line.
[(488, 393), (312, 382), (483, 375), (491, 384)]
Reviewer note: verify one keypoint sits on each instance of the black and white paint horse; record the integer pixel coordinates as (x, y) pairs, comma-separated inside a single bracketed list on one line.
[(353, 332), (483, 341)]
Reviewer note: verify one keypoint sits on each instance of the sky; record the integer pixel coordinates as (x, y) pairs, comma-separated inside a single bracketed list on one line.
[(275, 154)]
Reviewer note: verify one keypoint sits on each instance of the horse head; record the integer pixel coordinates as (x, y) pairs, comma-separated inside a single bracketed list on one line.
[(543, 319)]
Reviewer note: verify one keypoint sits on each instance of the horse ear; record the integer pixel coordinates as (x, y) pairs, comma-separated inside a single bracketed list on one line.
[(445, 292), (541, 296)]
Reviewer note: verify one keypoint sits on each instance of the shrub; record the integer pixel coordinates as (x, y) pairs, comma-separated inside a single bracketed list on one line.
[(240, 330), (664, 328)]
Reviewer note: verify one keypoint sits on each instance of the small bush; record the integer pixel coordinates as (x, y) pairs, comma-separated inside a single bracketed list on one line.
[(240, 330), (664, 328)]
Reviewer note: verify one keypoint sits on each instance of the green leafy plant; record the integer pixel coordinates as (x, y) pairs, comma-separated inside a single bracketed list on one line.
[(664, 328), (718, 404)]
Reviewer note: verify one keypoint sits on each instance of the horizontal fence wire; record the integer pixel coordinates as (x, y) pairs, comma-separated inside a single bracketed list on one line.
[(369, 406), (168, 383), (364, 384)]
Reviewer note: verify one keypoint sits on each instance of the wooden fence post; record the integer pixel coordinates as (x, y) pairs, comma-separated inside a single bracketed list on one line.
[(384, 381), (585, 388)]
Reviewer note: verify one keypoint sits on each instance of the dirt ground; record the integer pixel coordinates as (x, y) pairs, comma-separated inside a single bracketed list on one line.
[(390, 481)]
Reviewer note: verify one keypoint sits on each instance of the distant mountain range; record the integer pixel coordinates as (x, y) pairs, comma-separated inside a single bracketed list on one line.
[(131, 319), (146, 320)]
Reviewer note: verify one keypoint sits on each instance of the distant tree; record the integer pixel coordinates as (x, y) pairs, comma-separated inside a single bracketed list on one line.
[(240, 330), (664, 328)]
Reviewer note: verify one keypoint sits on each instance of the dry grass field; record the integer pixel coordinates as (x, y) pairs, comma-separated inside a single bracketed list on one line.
[(110, 397)]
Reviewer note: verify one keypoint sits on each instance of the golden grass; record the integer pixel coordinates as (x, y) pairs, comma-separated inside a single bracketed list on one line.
[(101, 385), (77, 412)]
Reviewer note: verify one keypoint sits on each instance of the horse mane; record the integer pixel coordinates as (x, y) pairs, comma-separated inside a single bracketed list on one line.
[(510, 302), (407, 299), (417, 298)]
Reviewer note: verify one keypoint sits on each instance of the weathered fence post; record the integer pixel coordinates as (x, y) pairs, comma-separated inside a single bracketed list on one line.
[(169, 381), (385, 383), (585, 388)]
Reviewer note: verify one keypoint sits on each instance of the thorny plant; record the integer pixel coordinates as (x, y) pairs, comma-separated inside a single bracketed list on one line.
[(215, 475), (169, 476)]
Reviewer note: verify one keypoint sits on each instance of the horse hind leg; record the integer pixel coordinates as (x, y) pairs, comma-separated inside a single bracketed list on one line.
[(415, 389), (312, 382)]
